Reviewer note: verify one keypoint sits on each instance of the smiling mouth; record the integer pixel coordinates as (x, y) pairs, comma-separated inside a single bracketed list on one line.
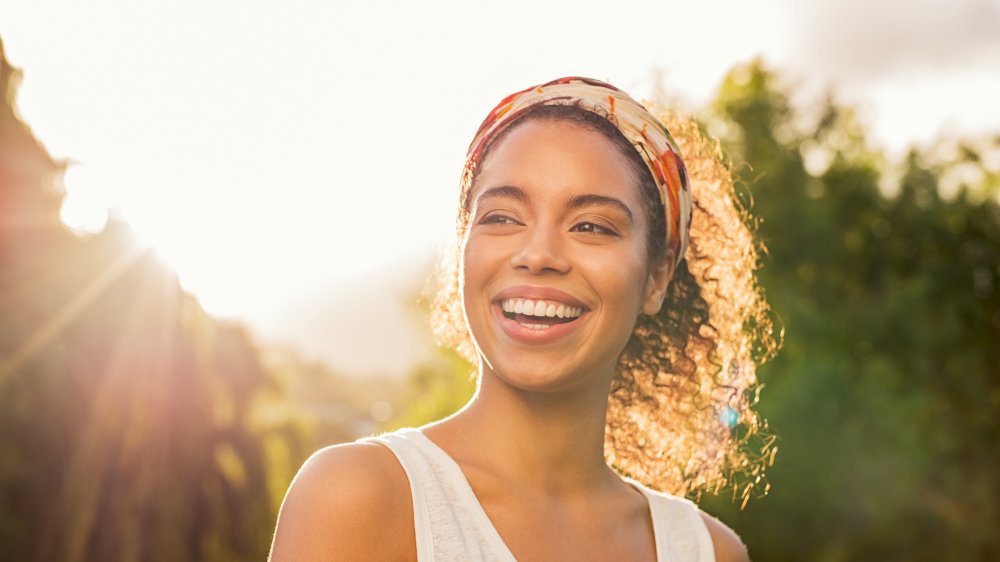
[(539, 314)]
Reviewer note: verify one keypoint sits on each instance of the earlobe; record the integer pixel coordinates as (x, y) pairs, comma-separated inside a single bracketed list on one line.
[(654, 301), (656, 286)]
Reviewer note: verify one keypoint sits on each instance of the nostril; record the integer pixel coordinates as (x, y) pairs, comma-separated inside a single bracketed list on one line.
[(540, 262)]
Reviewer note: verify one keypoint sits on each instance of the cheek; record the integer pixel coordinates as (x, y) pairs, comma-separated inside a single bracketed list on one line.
[(474, 270), (622, 289), (477, 267), (470, 266), (621, 277)]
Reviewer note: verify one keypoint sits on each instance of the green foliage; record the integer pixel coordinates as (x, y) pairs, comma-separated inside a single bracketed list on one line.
[(886, 394), (436, 389), (129, 421)]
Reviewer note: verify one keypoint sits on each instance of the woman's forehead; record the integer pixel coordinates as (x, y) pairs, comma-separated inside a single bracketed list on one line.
[(547, 157)]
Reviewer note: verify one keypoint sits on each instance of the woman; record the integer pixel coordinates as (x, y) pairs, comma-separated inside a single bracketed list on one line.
[(606, 310)]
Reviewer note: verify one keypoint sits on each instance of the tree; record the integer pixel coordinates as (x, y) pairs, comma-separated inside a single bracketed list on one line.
[(886, 394), (130, 420)]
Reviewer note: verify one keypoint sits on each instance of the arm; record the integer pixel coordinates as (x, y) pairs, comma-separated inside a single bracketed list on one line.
[(348, 502), (728, 546)]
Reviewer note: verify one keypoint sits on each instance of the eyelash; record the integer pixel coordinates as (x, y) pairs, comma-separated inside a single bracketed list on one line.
[(497, 219), (594, 229)]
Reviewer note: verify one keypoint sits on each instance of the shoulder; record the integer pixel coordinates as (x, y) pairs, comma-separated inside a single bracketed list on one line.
[(343, 503), (365, 472), (727, 544)]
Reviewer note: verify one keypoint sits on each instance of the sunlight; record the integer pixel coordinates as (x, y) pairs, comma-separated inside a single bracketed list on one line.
[(38, 339), (84, 209), (211, 238)]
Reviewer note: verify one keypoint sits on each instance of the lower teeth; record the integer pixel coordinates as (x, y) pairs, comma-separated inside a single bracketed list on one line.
[(536, 326)]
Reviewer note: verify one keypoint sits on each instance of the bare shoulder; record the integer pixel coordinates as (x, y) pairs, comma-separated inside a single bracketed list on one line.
[(728, 546), (348, 502)]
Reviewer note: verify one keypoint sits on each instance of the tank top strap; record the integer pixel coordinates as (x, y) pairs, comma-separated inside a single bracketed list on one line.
[(449, 522), (681, 533), (415, 470)]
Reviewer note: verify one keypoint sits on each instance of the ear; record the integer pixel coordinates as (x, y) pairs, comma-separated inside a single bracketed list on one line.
[(656, 285)]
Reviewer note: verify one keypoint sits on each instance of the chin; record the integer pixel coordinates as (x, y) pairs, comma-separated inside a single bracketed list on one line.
[(538, 375)]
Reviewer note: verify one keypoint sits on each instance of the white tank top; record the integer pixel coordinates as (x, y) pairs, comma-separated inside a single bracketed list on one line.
[(451, 524)]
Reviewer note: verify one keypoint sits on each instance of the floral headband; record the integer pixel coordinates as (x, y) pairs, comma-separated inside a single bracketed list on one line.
[(649, 137)]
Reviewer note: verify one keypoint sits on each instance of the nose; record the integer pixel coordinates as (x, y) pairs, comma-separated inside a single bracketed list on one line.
[(540, 253)]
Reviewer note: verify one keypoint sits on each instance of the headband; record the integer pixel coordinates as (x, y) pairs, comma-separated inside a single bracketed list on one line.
[(649, 137)]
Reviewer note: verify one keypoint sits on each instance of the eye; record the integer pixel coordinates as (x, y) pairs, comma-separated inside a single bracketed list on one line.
[(497, 218), (593, 228)]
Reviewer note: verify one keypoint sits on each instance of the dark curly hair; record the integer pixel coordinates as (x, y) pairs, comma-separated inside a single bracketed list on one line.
[(680, 414)]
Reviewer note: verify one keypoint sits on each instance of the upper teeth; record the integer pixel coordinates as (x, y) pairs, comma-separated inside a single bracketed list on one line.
[(540, 308)]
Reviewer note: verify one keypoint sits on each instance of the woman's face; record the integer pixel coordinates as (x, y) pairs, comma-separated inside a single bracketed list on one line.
[(555, 268)]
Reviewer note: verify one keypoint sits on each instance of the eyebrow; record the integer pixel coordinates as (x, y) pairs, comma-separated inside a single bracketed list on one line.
[(504, 191), (577, 202), (591, 200)]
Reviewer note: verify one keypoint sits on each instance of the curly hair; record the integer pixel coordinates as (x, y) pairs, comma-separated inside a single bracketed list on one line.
[(681, 415)]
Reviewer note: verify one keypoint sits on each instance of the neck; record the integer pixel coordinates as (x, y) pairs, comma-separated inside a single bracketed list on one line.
[(551, 441)]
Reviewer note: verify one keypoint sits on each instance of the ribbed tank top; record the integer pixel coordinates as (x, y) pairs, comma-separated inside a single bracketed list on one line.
[(451, 524)]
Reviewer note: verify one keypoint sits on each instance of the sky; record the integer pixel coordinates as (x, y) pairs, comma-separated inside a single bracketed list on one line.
[(282, 154)]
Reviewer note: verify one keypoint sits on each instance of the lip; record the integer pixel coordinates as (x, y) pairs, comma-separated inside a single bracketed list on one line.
[(539, 293), (521, 334)]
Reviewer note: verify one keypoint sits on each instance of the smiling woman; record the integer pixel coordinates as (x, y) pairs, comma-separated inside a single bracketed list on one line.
[(558, 234), (610, 302)]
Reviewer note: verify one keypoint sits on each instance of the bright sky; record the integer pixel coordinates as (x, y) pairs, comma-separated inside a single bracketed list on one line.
[(270, 149)]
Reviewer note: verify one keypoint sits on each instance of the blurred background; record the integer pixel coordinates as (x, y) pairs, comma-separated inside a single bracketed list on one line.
[(218, 223)]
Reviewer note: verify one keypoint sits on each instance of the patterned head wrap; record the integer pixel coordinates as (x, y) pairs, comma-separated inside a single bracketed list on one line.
[(649, 137)]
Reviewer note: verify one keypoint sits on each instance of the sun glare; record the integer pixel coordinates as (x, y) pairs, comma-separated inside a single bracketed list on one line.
[(176, 240), (83, 211)]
